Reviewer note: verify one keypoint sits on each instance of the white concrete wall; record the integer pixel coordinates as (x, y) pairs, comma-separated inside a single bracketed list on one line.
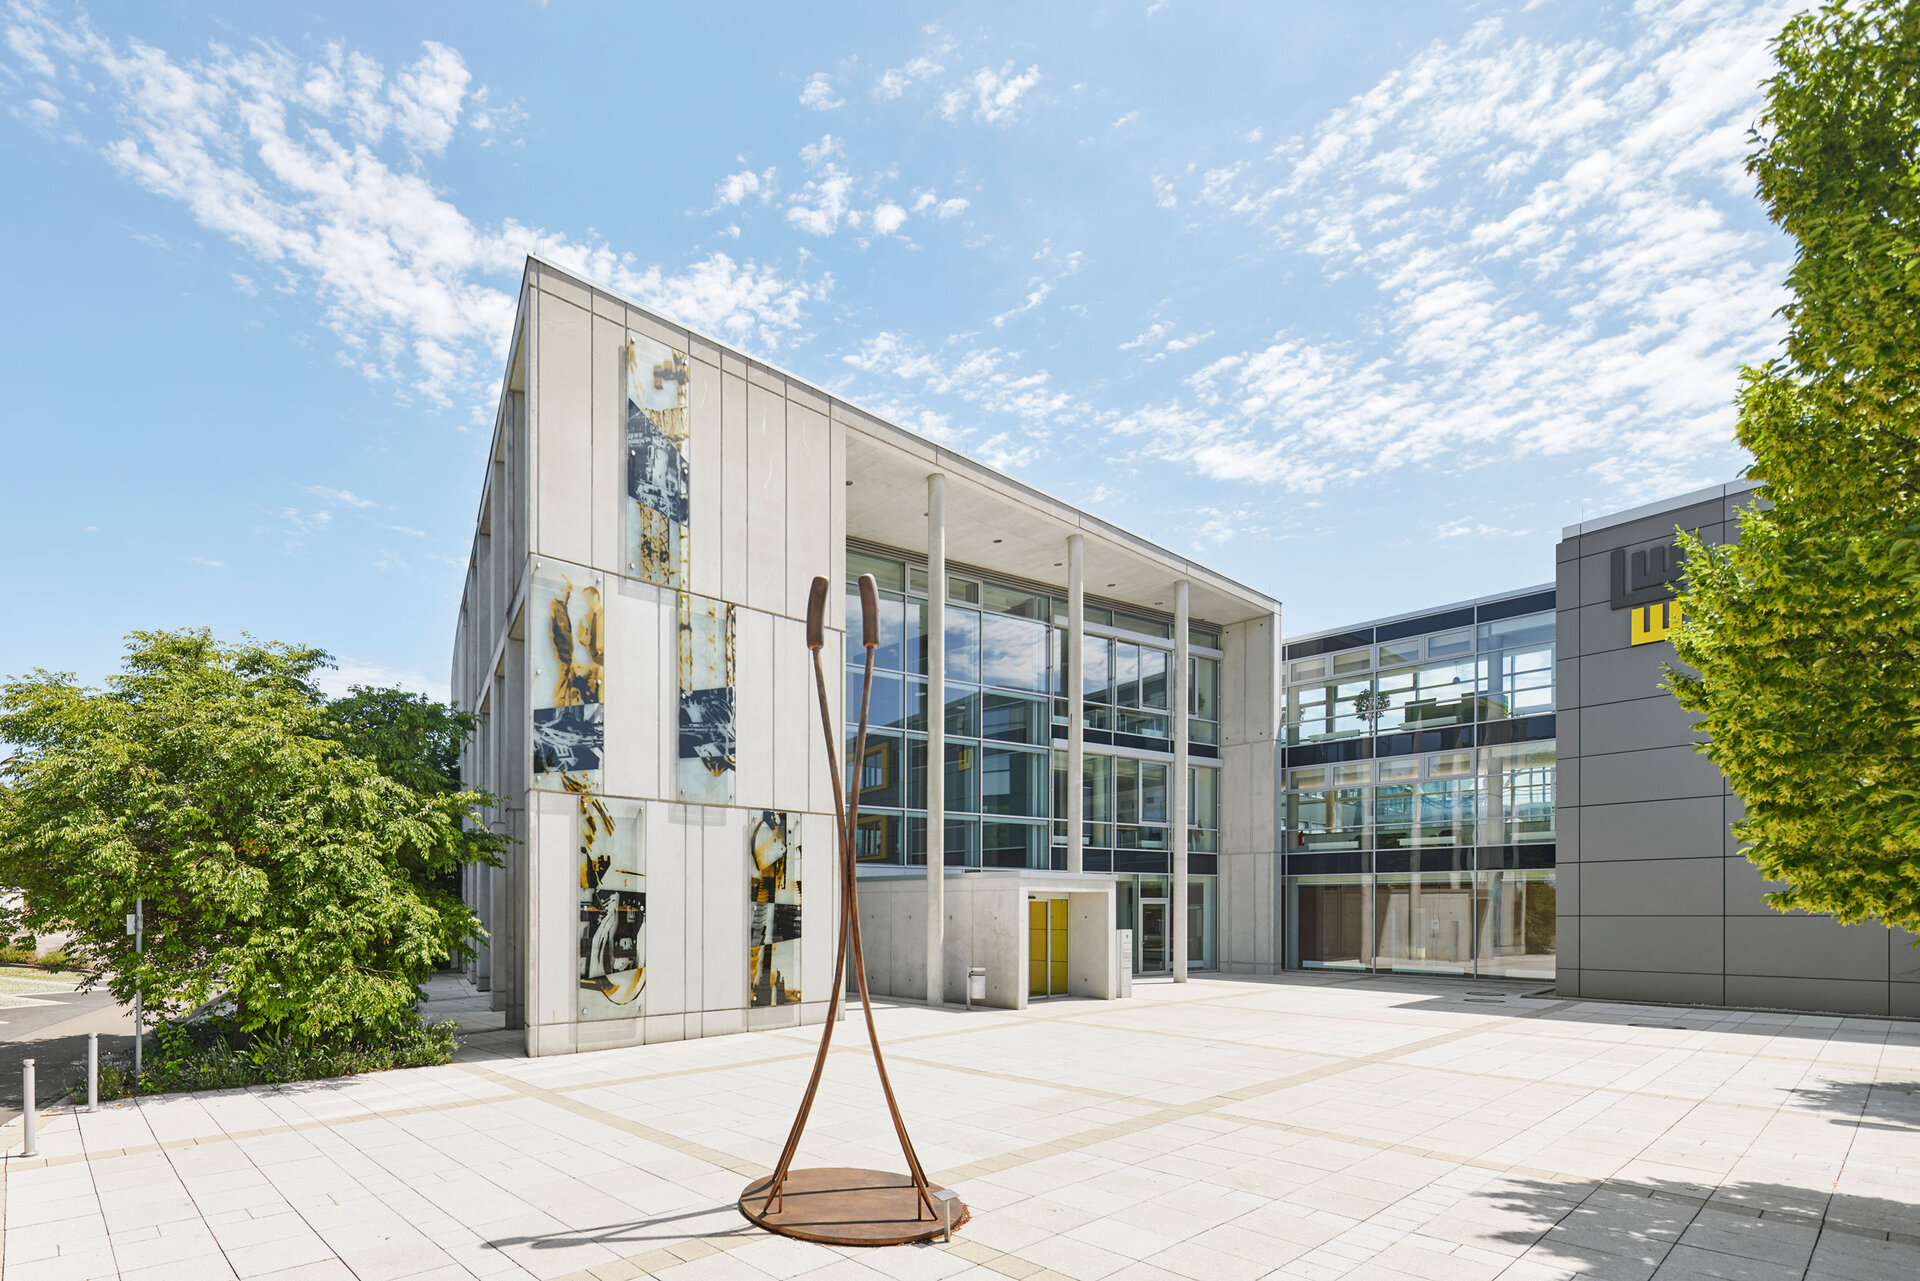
[(767, 508), (1252, 914), (986, 926)]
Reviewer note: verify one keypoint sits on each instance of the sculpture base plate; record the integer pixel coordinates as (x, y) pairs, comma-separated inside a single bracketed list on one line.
[(839, 1206)]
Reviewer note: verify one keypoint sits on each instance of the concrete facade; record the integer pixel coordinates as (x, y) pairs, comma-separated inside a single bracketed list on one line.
[(1656, 902)]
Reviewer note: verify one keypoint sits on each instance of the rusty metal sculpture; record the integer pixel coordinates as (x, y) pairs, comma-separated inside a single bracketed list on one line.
[(846, 1206)]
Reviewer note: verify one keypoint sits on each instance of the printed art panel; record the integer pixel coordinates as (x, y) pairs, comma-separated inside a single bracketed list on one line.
[(658, 489), (707, 743), (569, 675), (773, 932), (613, 906)]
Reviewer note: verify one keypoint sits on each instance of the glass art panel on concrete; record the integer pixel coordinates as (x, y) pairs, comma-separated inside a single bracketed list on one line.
[(773, 933), (705, 768), (569, 670), (658, 479), (613, 906)]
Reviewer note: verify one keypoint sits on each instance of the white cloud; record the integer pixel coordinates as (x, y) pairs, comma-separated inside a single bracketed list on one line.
[(888, 217), (952, 208), (343, 497), (827, 148), (285, 159), (1560, 250), (1126, 120), (994, 95), (736, 187), (818, 93), (822, 202), (1155, 332), (894, 83), (990, 379), (1190, 340), (44, 109)]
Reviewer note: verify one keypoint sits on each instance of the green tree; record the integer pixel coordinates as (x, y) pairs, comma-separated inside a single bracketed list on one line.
[(1806, 633), (277, 866)]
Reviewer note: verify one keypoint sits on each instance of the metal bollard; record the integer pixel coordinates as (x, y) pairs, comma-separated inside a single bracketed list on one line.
[(32, 1146), (946, 1198), (93, 1071)]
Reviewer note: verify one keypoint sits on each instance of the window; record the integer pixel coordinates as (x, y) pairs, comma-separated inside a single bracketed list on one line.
[(1126, 674), (1356, 660), (1426, 697), (1328, 820), (1517, 789), (1316, 712), (878, 839), (1013, 653), (1011, 600), (1528, 629), (1153, 676), (1204, 637), (1014, 719), (1203, 700), (1406, 651), (1307, 669), (1447, 644), (1203, 809), (887, 574), (1005, 843), (963, 589), (1144, 626), (963, 645), (1014, 781), (1516, 682)]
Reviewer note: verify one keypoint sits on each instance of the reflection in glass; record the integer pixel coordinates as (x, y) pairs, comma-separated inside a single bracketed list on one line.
[(1202, 909), (962, 845), (1517, 795), (877, 839), (893, 633), (963, 645), (1153, 677), (1328, 923), (963, 776), (1327, 820), (1126, 674), (1013, 653), (1126, 789), (1516, 682), (1203, 808), (1517, 924), (1012, 843), (914, 647), (1096, 682), (885, 711), (963, 710), (880, 773), (1013, 781), (1014, 719), (1423, 921), (1203, 689), (1153, 792)]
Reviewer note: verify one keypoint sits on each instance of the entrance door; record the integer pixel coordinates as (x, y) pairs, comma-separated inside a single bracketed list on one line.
[(1153, 936), (1046, 947)]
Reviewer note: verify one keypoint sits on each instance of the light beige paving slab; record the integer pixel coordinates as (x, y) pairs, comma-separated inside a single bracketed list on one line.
[(1310, 1127)]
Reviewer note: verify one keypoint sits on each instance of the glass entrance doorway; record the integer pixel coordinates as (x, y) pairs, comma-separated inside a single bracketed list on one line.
[(1046, 947), (1153, 936)]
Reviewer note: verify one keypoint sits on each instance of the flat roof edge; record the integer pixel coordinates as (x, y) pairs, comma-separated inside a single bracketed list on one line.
[(1693, 498), (1490, 599)]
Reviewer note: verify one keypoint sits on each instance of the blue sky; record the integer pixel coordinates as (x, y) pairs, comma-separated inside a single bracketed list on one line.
[(1360, 304)]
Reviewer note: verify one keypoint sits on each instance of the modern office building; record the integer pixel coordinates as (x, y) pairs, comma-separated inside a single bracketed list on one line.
[(655, 506), (1418, 792), (1502, 787), (1656, 901)]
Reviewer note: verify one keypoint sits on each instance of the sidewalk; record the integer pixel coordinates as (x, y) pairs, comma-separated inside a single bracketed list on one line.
[(1311, 1127)]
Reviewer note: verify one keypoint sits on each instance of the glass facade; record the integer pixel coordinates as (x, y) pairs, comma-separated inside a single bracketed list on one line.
[(1418, 786), (1005, 721)]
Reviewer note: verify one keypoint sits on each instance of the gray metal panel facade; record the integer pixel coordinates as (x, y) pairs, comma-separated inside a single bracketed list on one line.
[(1656, 902)]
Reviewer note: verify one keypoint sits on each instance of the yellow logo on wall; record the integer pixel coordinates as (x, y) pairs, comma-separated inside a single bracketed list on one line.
[(1651, 623)]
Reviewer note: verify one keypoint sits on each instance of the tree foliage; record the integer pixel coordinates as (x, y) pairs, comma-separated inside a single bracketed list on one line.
[(289, 855), (1805, 634)]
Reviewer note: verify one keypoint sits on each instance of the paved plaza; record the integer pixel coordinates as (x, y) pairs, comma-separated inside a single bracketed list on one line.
[(1310, 1126)]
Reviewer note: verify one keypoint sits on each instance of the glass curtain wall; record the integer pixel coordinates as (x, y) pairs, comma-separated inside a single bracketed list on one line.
[(1005, 718), (1405, 858)]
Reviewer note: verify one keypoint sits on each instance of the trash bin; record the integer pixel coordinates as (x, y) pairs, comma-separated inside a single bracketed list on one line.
[(976, 985)]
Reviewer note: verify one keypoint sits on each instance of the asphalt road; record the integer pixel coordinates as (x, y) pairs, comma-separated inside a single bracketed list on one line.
[(53, 1033)]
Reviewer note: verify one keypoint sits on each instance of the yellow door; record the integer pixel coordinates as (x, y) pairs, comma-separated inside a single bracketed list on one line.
[(1057, 947), (1036, 947)]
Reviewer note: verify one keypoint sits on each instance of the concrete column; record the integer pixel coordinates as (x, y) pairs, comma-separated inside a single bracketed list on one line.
[(1076, 713), (936, 736), (1178, 784)]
